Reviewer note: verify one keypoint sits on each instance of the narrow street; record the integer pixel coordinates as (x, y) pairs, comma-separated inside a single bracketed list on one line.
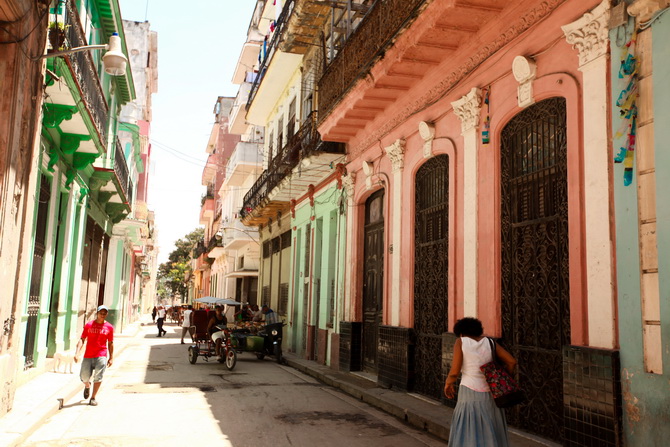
[(153, 396)]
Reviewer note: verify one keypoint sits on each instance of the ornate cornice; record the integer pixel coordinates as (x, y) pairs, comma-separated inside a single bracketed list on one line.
[(519, 26), (467, 109), (645, 9), (589, 34), (396, 152)]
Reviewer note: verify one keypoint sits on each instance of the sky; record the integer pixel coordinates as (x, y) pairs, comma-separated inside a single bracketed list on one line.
[(199, 43)]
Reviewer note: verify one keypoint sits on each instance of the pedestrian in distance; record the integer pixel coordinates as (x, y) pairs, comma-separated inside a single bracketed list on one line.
[(216, 322), (98, 335), (186, 325), (153, 315), (161, 320), (476, 421)]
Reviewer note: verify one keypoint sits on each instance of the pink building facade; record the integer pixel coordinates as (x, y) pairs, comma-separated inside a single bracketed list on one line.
[(479, 184)]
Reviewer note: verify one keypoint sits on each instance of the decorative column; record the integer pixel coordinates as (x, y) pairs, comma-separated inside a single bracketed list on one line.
[(589, 36), (64, 270), (349, 183), (467, 109), (396, 152), (80, 202)]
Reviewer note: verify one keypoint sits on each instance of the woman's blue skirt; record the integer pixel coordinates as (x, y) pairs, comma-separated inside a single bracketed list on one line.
[(477, 422)]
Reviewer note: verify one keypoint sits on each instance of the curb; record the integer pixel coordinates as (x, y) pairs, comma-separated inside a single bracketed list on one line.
[(375, 398)]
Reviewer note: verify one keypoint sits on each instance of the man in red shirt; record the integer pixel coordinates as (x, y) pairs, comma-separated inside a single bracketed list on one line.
[(99, 338)]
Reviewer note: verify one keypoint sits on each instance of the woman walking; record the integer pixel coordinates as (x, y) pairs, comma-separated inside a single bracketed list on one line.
[(476, 422)]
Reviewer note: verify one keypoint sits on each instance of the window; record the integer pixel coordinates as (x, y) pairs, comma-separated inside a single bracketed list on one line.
[(280, 135), (290, 131)]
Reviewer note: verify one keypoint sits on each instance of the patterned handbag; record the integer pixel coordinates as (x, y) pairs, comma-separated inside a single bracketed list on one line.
[(505, 390)]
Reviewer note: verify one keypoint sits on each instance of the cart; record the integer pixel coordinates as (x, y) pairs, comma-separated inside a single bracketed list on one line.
[(204, 346)]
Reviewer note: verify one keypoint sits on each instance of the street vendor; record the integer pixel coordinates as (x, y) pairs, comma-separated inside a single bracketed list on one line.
[(214, 328)]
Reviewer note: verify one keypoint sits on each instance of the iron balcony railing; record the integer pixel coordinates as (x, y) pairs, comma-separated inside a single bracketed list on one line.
[(199, 249), (268, 49), (121, 171), (214, 242), (85, 73), (363, 48), (304, 143)]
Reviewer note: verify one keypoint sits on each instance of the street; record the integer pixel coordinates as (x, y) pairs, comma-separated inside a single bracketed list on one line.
[(153, 396)]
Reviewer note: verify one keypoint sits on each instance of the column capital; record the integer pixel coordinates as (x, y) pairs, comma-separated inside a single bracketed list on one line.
[(589, 34), (349, 182), (396, 152), (643, 10), (467, 109)]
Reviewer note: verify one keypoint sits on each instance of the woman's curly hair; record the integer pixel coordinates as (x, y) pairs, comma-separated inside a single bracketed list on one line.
[(468, 326)]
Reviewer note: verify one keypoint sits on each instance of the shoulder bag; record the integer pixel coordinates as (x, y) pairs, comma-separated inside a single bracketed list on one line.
[(505, 390)]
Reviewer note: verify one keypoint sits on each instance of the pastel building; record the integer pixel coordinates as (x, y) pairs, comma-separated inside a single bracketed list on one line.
[(479, 163), (640, 66), (297, 199)]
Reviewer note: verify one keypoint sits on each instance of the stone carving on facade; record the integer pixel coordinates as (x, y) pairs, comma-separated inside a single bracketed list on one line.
[(427, 133), (524, 70), (467, 109), (396, 152), (349, 182), (516, 28), (589, 34), (645, 9)]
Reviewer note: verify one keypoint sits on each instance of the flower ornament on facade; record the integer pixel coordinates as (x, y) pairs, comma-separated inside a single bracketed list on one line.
[(427, 133), (396, 152), (467, 109), (589, 35)]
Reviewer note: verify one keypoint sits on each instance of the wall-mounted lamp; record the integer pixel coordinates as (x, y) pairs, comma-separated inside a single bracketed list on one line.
[(114, 61)]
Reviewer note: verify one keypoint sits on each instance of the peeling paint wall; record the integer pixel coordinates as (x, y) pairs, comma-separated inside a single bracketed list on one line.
[(646, 395)]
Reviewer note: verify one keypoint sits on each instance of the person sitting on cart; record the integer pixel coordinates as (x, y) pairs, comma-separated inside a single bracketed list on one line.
[(271, 316), (214, 328)]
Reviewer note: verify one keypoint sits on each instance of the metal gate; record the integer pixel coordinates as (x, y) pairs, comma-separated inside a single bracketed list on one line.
[(431, 261), (34, 301), (373, 277), (534, 236)]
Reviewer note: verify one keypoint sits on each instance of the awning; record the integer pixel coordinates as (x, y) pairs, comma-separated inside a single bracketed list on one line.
[(242, 274)]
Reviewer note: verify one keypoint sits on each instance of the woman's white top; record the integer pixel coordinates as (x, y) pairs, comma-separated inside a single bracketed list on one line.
[(475, 354)]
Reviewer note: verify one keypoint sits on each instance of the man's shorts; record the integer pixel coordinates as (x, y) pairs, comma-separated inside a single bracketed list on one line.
[(217, 335), (92, 369)]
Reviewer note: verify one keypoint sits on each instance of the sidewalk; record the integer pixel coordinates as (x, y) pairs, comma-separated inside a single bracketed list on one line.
[(38, 399), (417, 411)]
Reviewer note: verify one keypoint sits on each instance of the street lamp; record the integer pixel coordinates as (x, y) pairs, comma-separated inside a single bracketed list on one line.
[(114, 61)]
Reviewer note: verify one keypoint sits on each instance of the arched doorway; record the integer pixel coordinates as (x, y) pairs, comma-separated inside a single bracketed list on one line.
[(534, 251), (373, 277), (431, 268)]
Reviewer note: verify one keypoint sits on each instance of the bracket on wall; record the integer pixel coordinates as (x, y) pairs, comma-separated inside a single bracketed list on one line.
[(427, 133), (524, 70)]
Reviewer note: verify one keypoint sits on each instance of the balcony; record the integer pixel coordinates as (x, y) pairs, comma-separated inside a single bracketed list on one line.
[(305, 160), (214, 247), (122, 176), (384, 66), (77, 106), (276, 69), (246, 161), (369, 42), (236, 235), (237, 121)]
